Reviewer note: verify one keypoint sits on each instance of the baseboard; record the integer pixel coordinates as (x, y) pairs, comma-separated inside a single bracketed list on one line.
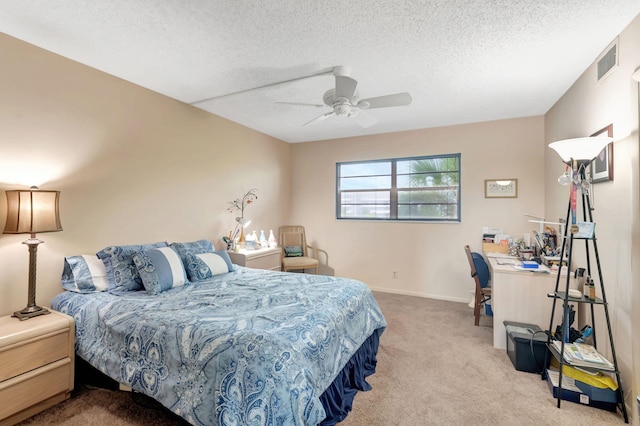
[(418, 294)]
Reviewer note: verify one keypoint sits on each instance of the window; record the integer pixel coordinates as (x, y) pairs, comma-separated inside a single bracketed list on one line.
[(411, 189)]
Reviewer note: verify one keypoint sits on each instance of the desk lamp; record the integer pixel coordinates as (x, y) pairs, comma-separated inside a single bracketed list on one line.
[(31, 212)]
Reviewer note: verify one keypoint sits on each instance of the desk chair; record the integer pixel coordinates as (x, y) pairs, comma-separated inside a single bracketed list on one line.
[(295, 251), (480, 274)]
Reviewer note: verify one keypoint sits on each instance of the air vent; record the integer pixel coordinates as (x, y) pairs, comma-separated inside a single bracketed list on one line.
[(608, 61)]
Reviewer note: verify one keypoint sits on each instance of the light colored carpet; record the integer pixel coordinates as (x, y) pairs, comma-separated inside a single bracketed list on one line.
[(434, 368)]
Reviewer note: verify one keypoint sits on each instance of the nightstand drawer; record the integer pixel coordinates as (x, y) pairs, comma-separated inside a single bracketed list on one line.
[(30, 388), (270, 261), (30, 354), (267, 258)]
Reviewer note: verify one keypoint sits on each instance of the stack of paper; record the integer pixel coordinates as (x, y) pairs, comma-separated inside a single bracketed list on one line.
[(583, 355)]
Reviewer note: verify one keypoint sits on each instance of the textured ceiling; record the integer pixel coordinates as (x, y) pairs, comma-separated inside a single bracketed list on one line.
[(461, 60)]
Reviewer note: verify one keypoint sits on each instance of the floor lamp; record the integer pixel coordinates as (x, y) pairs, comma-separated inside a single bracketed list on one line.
[(32, 212), (578, 154)]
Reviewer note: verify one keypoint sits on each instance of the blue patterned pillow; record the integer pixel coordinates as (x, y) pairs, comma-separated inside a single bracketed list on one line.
[(84, 274), (160, 269), (188, 250), (203, 266), (122, 274)]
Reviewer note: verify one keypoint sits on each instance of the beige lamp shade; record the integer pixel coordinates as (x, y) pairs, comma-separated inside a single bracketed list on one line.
[(580, 149), (32, 212)]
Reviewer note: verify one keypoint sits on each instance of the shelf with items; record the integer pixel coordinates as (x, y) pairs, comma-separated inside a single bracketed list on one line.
[(556, 347), (574, 356), (562, 295)]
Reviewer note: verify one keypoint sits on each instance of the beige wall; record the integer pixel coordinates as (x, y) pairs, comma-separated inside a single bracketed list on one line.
[(132, 166), (583, 110), (428, 257)]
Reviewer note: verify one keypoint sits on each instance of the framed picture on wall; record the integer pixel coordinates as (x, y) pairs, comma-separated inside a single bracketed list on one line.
[(601, 168), (501, 188)]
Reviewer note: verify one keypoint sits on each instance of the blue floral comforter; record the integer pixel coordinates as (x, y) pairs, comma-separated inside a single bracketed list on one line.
[(249, 347)]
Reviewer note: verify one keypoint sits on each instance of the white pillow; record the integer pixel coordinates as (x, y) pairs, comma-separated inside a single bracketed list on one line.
[(98, 272), (216, 263)]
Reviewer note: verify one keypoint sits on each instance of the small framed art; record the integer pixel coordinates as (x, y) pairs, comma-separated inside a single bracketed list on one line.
[(501, 188), (601, 168)]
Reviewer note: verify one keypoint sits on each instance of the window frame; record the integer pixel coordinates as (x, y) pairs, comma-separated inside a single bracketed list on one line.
[(393, 201)]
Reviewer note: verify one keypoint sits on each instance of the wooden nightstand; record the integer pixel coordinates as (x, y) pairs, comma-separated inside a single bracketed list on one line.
[(36, 364), (268, 258)]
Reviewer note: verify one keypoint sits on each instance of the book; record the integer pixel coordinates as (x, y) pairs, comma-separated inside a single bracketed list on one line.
[(589, 353), (585, 230), (583, 355), (530, 264)]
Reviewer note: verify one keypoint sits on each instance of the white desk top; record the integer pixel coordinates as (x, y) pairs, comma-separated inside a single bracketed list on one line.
[(491, 254), (509, 265)]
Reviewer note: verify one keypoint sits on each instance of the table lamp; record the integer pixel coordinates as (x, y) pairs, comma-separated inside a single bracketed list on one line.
[(32, 212), (242, 223)]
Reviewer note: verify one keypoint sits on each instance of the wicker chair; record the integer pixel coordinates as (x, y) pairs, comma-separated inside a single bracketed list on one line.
[(296, 253)]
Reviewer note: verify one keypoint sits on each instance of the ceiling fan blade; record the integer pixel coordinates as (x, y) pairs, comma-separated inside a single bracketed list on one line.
[(319, 119), (302, 104), (345, 87), (398, 99), (363, 119)]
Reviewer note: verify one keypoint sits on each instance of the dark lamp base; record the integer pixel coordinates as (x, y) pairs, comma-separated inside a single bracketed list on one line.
[(30, 312)]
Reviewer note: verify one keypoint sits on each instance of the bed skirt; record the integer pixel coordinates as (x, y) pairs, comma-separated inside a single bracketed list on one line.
[(337, 399)]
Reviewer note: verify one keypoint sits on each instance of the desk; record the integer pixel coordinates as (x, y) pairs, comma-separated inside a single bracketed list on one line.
[(521, 296)]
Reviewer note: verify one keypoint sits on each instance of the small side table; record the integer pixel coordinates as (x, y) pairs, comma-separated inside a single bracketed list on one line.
[(36, 364), (267, 258)]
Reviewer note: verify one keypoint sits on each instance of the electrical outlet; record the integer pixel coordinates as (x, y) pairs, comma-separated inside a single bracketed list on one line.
[(394, 274)]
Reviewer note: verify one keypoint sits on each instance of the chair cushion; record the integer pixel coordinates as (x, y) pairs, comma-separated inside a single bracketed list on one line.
[(482, 269), (299, 262)]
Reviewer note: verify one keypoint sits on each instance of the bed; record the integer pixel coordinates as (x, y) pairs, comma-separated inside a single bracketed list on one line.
[(238, 347)]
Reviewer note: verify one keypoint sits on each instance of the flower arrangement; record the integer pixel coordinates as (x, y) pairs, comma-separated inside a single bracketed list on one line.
[(239, 204)]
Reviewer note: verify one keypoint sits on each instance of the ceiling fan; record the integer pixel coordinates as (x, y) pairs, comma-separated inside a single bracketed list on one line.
[(345, 101)]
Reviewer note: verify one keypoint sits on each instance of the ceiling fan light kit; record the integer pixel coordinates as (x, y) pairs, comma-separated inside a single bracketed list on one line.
[(345, 101)]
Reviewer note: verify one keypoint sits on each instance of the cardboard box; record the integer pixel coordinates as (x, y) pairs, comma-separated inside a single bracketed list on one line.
[(597, 394), (572, 393), (494, 248), (521, 338)]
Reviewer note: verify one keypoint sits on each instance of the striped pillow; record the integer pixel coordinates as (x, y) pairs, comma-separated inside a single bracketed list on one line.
[(160, 269), (84, 274), (203, 266)]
